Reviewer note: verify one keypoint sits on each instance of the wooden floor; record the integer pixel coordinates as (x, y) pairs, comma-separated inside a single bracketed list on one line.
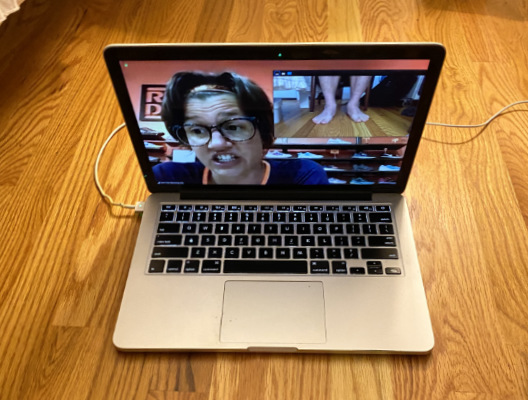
[(64, 253), (297, 123)]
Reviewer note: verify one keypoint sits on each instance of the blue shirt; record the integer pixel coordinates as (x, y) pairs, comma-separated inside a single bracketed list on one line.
[(282, 172)]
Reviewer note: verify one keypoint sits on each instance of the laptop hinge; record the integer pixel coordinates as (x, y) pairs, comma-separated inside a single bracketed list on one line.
[(274, 195)]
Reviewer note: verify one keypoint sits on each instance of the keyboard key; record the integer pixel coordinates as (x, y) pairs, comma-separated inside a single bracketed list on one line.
[(166, 216), (375, 270), (156, 266), (353, 229), (222, 228), (249, 252), (339, 267), (234, 208), (324, 241), (287, 229), (170, 252), (279, 217), (241, 240), (254, 229), (303, 229), (341, 241), (317, 253), (275, 241), (247, 217), (333, 253), (225, 240), (386, 229), (208, 240), (211, 266), (366, 208), (383, 208), (198, 252), (382, 241), (291, 240), (336, 229), (357, 270), (343, 217), (327, 217), (174, 266), (214, 252), (300, 253), (231, 217), (380, 217), (201, 207), (251, 208), (265, 252), (265, 267), (360, 217), (369, 229), (169, 228), (185, 207), (283, 253), (351, 253), (320, 229), (232, 252), (357, 240), (205, 228), (258, 240), (191, 266), (215, 217), (168, 207), (263, 217), (167, 240), (381, 254), (199, 217), (307, 240), (266, 208), (191, 240), (319, 267), (311, 217), (188, 228), (299, 208), (271, 228), (183, 216), (238, 229), (393, 271), (217, 207)]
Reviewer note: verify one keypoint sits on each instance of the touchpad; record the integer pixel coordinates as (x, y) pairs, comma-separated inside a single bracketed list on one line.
[(273, 312)]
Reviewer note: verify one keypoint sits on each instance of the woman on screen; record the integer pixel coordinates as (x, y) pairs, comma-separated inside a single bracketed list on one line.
[(227, 120)]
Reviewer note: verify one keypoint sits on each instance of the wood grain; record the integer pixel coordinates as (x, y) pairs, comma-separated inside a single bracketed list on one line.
[(65, 254)]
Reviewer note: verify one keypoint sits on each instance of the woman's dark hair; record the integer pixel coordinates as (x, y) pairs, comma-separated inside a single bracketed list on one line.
[(252, 100)]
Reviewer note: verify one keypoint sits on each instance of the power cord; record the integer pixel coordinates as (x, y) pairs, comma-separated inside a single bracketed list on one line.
[(138, 207)]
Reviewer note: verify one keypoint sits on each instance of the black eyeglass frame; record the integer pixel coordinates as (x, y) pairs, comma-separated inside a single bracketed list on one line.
[(178, 128)]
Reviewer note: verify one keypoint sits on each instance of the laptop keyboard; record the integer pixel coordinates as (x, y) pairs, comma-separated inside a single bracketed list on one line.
[(340, 240)]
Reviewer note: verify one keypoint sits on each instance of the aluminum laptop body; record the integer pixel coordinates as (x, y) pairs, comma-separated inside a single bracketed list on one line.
[(331, 192)]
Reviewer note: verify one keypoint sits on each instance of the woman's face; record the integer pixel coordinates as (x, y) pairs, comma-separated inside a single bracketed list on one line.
[(229, 162)]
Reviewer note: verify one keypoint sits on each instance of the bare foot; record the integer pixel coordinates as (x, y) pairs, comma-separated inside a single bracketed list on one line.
[(356, 114), (326, 115)]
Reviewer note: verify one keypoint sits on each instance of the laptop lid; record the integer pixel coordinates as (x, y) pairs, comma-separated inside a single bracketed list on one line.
[(163, 91)]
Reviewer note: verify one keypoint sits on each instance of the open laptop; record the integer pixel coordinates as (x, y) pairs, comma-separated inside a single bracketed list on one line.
[(276, 220)]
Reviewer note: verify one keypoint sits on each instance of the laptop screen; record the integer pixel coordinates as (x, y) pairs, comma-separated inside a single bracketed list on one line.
[(342, 122)]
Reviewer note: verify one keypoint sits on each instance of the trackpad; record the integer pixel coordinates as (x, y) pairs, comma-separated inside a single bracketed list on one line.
[(273, 312)]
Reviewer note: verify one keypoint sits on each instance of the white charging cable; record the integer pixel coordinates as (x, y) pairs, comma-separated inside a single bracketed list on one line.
[(138, 207)]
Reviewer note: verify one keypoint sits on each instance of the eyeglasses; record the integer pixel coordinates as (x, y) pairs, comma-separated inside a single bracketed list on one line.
[(238, 129)]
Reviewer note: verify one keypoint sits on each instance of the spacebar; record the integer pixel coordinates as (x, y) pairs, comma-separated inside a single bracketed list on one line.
[(265, 267)]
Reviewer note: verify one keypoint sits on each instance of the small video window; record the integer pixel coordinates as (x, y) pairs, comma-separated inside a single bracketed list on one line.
[(344, 104)]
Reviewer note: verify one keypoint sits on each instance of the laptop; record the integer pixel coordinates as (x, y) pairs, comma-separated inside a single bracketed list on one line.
[(276, 221)]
